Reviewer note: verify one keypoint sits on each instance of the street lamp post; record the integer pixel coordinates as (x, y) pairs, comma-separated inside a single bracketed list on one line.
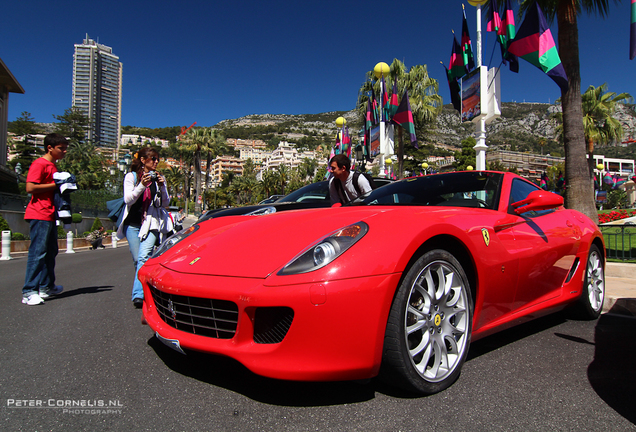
[(381, 70), (18, 171), (425, 167)]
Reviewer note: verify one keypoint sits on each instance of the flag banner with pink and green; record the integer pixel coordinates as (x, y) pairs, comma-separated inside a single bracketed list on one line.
[(535, 44), (404, 118)]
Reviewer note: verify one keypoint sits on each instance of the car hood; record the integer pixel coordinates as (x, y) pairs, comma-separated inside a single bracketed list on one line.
[(247, 246)]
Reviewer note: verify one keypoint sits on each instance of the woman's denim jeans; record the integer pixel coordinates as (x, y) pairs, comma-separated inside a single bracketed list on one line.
[(140, 251)]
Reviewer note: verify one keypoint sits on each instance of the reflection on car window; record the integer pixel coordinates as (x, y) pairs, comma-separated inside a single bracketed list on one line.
[(519, 191), (459, 189), (316, 192)]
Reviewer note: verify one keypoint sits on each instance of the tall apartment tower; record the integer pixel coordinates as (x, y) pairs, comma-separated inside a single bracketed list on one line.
[(97, 77)]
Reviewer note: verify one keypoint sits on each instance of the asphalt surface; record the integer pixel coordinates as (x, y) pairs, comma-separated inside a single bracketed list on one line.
[(87, 347)]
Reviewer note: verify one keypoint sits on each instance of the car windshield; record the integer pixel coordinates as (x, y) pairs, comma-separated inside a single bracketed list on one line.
[(477, 189), (310, 193)]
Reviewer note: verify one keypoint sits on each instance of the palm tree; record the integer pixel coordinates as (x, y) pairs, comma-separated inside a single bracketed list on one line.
[(282, 177), (600, 126), (175, 178), (426, 103), (201, 141), (268, 184), (579, 193)]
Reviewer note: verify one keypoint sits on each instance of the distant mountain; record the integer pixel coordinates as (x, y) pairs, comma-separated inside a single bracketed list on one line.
[(521, 127)]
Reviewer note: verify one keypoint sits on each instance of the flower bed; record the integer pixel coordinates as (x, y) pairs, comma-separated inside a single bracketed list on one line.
[(615, 215)]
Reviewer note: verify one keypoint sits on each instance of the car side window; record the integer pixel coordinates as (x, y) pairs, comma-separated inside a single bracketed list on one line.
[(519, 191)]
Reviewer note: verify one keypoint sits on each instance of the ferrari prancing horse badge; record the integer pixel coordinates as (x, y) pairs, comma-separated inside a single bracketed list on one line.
[(486, 235)]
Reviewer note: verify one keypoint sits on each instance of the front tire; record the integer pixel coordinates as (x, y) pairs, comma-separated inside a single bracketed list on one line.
[(429, 326)]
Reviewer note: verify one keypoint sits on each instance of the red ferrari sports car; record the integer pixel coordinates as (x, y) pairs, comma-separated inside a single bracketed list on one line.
[(397, 283)]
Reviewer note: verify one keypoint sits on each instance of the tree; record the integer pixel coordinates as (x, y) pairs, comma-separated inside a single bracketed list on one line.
[(73, 124), (426, 103), (88, 165), (579, 192), (25, 149), (201, 141), (467, 156), (599, 125)]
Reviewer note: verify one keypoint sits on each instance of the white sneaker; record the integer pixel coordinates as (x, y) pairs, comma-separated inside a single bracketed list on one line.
[(32, 300), (51, 291)]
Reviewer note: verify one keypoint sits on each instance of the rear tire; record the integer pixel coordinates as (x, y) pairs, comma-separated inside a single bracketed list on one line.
[(590, 304), (429, 327)]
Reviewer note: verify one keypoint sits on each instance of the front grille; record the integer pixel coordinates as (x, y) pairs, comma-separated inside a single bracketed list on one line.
[(204, 317)]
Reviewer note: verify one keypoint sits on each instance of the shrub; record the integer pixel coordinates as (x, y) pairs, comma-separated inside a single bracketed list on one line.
[(17, 236), (85, 233), (97, 224), (76, 218), (61, 234), (4, 225)]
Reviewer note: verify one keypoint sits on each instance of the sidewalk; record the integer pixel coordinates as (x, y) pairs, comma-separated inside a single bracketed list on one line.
[(620, 288)]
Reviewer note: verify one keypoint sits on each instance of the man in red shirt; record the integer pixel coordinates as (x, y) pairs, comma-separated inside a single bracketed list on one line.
[(39, 282)]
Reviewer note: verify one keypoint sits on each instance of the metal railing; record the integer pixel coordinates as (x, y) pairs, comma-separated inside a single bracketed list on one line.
[(620, 241)]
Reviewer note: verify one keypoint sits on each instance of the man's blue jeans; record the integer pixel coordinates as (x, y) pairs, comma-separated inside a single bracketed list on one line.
[(40, 270), (140, 250)]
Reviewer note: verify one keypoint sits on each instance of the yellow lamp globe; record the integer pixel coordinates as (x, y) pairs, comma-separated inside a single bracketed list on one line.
[(477, 2), (425, 165), (600, 167), (341, 121), (469, 167), (388, 161), (381, 69)]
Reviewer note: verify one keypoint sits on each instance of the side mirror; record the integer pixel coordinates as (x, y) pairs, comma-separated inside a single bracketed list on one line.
[(538, 200)]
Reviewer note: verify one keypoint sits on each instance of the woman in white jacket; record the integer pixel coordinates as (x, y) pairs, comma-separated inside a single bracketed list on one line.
[(145, 218)]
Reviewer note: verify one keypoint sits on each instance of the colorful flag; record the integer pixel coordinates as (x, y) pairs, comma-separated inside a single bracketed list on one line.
[(385, 98), (336, 148), (505, 30), (543, 184), (456, 65), (374, 108), (467, 50), (632, 33), (455, 90), (346, 142), (393, 100), (494, 20), (404, 117), (508, 32), (534, 43)]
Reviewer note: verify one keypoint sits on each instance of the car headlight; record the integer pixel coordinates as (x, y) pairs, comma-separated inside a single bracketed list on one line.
[(262, 211), (326, 249), (173, 240)]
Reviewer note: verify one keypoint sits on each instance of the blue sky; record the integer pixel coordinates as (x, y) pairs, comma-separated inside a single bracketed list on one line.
[(206, 61)]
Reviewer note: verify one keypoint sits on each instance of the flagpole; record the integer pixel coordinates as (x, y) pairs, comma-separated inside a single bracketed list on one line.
[(480, 147), (379, 71)]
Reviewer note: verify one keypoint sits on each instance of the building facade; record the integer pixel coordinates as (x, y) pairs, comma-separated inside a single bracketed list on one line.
[(97, 79)]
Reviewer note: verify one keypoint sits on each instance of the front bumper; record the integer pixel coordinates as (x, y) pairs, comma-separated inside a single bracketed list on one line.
[(328, 331)]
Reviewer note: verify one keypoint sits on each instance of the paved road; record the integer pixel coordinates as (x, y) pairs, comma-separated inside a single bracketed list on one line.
[(88, 345)]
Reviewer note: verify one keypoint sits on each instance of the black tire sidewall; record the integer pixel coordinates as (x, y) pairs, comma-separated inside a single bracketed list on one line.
[(397, 366)]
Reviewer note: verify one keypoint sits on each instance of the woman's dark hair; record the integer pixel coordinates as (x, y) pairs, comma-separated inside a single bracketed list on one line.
[(137, 166)]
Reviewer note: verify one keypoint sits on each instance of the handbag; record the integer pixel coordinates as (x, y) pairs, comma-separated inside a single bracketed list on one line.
[(116, 210)]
